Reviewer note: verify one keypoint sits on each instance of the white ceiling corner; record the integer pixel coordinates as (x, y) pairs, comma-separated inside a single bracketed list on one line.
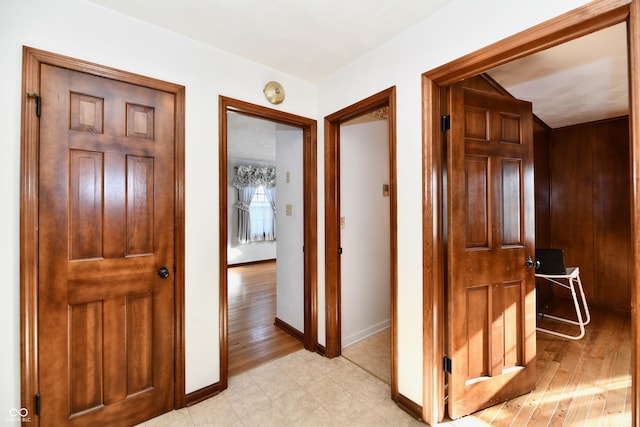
[(307, 38), (577, 82)]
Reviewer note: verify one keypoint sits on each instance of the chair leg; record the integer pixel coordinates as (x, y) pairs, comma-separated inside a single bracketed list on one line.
[(580, 323)]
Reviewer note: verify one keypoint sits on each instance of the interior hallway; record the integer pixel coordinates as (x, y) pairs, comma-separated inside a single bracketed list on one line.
[(585, 382), (301, 389)]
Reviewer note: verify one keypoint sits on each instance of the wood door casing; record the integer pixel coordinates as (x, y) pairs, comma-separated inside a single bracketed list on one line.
[(309, 154), (578, 22), (107, 203), (491, 307), (385, 98)]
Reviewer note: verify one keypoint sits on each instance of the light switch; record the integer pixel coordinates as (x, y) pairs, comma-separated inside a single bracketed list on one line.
[(287, 177), (288, 208)]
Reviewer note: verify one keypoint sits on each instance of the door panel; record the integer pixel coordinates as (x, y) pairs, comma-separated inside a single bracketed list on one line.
[(491, 299), (106, 225)]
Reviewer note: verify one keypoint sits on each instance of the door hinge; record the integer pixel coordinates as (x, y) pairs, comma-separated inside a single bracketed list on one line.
[(38, 404), (339, 251), (446, 123), (35, 95), (446, 365)]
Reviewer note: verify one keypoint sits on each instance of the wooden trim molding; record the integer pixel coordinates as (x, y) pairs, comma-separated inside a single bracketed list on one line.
[(321, 350), (243, 264), (332, 223), (33, 59), (29, 373), (179, 248), (202, 394), (633, 42), (586, 19), (409, 406), (223, 314), (289, 329), (433, 251), (591, 17), (332, 239), (309, 150)]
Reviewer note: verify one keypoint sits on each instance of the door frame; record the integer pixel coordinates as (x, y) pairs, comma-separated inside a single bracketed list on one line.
[(591, 17), (309, 154), (332, 224), (30, 141)]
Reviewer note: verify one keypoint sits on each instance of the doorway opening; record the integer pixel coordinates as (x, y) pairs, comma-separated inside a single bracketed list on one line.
[(337, 223), (582, 21), (364, 240), (296, 138), (265, 236)]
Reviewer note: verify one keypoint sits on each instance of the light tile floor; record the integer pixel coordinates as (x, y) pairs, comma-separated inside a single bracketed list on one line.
[(373, 354), (301, 389)]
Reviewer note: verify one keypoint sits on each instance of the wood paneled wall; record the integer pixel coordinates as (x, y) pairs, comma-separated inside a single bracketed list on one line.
[(542, 186), (583, 205), (542, 182)]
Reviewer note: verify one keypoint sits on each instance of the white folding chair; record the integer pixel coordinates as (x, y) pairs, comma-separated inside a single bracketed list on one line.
[(568, 281)]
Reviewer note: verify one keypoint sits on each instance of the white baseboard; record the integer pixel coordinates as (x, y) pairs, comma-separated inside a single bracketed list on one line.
[(360, 335)]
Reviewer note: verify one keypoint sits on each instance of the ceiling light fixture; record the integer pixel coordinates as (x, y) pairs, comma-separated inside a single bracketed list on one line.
[(274, 92)]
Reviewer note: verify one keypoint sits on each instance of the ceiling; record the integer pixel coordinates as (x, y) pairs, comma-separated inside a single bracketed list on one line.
[(306, 38), (251, 138), (577, 82), (254, 139), (580, 81)]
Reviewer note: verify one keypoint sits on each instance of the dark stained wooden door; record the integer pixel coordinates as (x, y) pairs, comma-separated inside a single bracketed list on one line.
[(491, 291), (106, 185)]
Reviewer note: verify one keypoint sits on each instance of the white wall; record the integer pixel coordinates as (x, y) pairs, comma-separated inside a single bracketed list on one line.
[(364, 235), (460, 27), (83, 30), (89, 32), (290, 228)]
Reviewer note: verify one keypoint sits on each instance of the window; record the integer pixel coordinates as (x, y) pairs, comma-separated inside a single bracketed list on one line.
[(261, 216), (256, 203)]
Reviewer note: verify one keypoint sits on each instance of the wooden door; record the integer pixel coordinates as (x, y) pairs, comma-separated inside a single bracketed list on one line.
[(106, 227), (491, 291)]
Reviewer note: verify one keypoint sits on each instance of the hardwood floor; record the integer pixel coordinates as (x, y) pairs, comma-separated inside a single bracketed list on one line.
[(584, 382), (253, 338)]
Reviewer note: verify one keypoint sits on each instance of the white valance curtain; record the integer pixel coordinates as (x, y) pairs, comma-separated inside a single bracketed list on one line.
[(255, 223)]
